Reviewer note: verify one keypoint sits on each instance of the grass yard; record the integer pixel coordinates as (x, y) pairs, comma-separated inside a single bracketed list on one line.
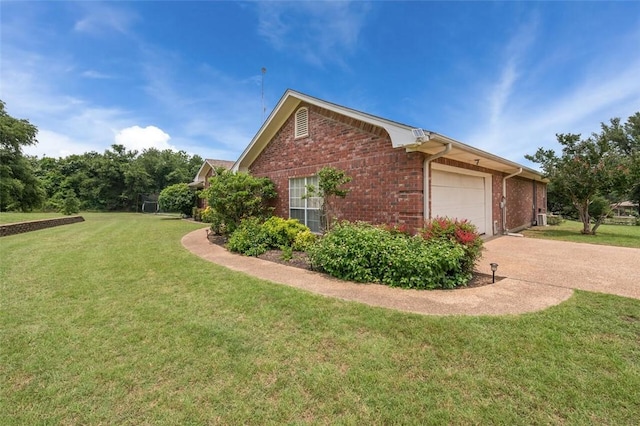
[(13, 217), (611, 235), (111, 321)]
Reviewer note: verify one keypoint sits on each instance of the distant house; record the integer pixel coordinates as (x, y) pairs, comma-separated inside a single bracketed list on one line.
[(624, 208), (208, 169), (401, 174)]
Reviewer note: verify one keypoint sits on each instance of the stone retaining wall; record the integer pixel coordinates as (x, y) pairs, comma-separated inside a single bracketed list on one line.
[(33, 225)]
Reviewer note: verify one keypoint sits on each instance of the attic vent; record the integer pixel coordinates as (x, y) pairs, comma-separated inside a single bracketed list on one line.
[(302, 123)]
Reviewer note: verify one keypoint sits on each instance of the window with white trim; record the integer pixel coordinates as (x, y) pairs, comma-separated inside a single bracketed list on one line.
[(305, 209), (302, 123)]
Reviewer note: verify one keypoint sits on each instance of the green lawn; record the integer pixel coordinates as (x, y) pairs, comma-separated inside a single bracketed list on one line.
[(111, 321), (611, 235), (12, 217)]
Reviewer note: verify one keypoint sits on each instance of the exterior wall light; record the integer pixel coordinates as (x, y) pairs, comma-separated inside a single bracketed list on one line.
[(494, 268)]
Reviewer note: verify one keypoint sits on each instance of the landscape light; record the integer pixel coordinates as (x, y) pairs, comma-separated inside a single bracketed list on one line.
[(494, 268)]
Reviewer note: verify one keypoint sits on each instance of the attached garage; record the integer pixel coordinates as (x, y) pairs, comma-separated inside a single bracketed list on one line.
[(461, 194)]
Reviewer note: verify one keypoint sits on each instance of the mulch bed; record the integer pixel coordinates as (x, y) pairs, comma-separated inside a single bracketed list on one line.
[(300, 260)]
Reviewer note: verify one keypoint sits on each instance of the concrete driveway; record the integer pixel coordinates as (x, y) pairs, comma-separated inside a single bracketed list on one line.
[(605, 269)]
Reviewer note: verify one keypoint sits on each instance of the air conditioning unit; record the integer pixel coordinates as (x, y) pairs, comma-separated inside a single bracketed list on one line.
[(542, 219)]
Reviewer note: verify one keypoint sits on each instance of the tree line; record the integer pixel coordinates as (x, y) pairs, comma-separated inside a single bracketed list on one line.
[(108, 181)]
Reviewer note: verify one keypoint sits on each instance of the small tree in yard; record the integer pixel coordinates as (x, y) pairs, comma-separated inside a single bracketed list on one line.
[(70, 203), (177, 198), (237, 196), (330, 181), (595, 172)]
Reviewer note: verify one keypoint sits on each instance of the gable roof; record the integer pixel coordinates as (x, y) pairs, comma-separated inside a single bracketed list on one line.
[(209, 164), (401, 135)]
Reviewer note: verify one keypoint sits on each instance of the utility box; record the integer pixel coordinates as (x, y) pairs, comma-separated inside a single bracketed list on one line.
[(542, 219)]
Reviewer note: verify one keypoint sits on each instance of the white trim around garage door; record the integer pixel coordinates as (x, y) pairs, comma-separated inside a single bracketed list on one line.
[(488, 185)]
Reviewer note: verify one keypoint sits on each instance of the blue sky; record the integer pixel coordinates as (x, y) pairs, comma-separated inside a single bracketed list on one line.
[(502, 76)]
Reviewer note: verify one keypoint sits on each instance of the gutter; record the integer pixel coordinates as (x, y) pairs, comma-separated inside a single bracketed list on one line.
[(425, 168), (503, 202)]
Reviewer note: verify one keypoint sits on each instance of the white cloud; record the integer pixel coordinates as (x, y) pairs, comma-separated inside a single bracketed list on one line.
[(517, 114), (139, 138), (100, 18), (318, 31), (96, 75), (53, 144)]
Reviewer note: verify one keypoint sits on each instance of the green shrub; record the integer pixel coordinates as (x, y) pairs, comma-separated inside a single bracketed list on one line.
[(234, 197), (304, 240), (254, 237), (364, 253), (287, 253), (196, 214), (177, 198), (206, 215), (554, 219), (248, 238), (459, 232), (70, 203), (279, 232)]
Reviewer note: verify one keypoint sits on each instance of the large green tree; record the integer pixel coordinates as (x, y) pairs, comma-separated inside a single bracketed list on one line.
[(592, 169), (20, 188), (625, 139)]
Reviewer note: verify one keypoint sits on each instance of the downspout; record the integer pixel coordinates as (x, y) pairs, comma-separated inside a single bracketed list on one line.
[(503, 202), (425, 168), (534, 219)]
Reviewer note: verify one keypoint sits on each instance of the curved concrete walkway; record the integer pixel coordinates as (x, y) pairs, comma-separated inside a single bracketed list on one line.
[(509, 296)]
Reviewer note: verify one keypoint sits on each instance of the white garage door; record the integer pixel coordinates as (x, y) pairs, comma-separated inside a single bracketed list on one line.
[(459, 196)]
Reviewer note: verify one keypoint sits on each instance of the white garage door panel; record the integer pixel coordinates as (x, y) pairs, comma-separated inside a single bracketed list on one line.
[(459, 196)]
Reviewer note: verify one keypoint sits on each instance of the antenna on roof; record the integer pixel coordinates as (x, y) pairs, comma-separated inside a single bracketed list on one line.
[(264, 109)]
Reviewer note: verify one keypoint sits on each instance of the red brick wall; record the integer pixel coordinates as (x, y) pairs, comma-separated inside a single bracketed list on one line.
[(522, 206), (519, 203), (387, 183)]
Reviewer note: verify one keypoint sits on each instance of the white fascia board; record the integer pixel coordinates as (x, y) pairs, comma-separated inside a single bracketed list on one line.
[(248, 154), (205, 163), (512, 165)]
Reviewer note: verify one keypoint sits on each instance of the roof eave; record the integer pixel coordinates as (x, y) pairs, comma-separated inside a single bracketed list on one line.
[(401, 136), (467, 154)]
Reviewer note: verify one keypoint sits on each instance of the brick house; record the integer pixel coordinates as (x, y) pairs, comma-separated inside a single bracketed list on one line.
[(201, 180), (400, 174)]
